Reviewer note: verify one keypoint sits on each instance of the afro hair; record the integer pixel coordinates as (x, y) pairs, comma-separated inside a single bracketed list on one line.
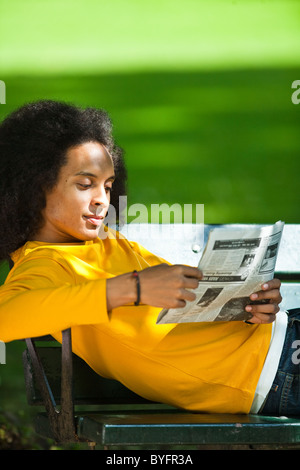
[(34, 140)]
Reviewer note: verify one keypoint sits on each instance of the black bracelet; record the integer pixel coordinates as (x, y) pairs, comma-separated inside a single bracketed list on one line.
[(138, 288)]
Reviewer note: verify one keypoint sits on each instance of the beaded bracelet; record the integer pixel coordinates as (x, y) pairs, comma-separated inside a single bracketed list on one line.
[(138, 287)]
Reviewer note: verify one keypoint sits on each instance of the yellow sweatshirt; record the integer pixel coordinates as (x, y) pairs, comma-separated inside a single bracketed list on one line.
[(205, 367)]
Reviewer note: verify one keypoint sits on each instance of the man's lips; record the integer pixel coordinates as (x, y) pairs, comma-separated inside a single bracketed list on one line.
[(94, 219)]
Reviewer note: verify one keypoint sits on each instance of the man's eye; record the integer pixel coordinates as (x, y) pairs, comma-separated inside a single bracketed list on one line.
[(83, 186)]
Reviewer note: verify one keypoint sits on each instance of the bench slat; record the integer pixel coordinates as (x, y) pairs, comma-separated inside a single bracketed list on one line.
[(290, 293), (175, 243), (180, 428)]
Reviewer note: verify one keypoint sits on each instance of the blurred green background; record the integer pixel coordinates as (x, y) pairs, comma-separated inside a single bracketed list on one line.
[(199, 93)]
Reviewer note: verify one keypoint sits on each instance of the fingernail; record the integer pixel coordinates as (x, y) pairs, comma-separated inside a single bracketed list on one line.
[(248, 308), (253, 296), (265, 286)]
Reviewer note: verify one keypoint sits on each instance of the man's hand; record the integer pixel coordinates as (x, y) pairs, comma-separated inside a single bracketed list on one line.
[(265, 312), (161, 286), (169, 286)]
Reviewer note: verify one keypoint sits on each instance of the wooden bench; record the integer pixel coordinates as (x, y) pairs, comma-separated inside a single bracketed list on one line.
[(81, 406)]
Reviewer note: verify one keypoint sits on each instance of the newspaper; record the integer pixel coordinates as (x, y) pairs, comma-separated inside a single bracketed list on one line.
[(235, 263)]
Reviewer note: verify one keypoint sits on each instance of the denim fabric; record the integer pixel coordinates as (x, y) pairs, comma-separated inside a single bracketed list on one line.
[(284, 397)]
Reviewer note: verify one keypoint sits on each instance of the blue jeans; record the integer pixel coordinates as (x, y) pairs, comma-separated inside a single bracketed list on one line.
[(283, 398)]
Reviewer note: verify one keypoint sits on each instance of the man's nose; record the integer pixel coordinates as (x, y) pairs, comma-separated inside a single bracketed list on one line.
[(101, 199)]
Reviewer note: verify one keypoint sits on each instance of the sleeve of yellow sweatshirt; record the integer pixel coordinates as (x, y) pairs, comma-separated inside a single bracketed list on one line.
[(40, 297)]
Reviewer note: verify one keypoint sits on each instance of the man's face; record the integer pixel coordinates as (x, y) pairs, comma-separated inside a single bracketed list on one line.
[(77, 205)]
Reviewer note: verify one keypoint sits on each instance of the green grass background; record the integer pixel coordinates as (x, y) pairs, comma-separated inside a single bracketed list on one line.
[(199, 93)]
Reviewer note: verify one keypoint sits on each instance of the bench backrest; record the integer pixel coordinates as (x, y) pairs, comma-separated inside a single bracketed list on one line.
[(88, 387), (184, 243)]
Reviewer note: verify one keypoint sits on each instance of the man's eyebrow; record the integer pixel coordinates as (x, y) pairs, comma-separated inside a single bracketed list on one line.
[(92, 175), (85, 173)]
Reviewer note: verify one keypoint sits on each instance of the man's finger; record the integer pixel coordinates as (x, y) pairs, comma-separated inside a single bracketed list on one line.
[(262, 308), (269, 294), (272, 284)]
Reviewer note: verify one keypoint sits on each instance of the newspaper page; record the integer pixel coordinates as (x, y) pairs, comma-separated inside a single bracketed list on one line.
[(235, 263)]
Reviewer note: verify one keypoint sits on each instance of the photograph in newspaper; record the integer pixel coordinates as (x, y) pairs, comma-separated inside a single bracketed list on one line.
[(235, 263)]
